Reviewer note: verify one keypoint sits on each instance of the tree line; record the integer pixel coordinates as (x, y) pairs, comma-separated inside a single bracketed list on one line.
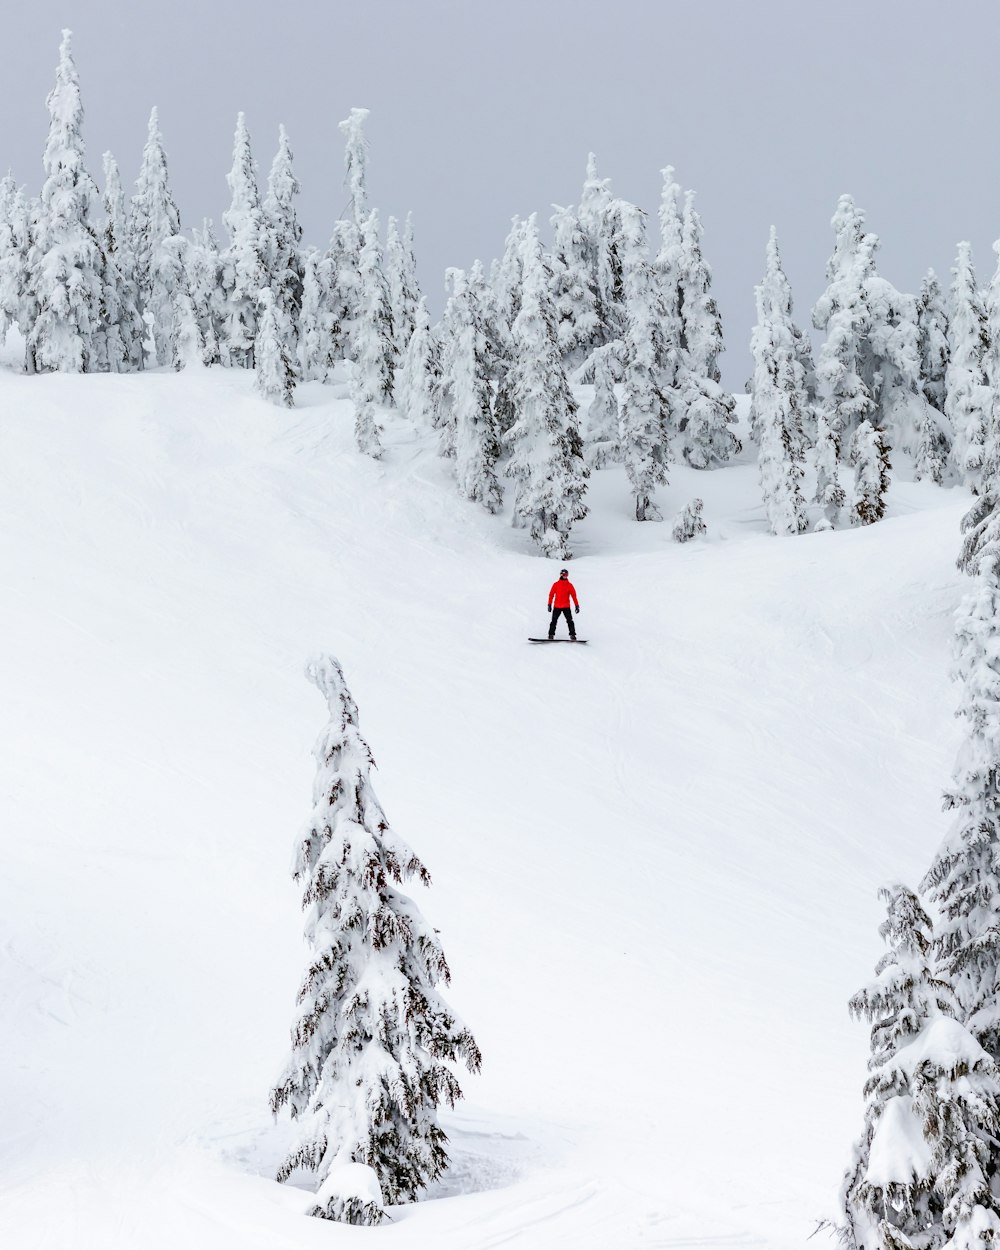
[(98, 283)]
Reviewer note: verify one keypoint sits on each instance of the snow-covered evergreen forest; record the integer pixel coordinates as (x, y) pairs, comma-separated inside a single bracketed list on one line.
[(293, 459)]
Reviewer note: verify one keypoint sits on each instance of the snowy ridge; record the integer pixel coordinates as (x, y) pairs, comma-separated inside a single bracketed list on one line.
[(655, 859)]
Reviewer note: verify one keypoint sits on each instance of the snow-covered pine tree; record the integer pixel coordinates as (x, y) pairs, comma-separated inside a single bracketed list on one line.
[(610, 270), (284, 237), (966, 401), (778, 399), (574, 294), (932, 340), (371, 376), (843, 312), (31, 229), (410, 294), (244, 262), (595, 201), (356, 163), (869, 456), (416, 399), (393, 267), (990, 471), (546, 458), (644, 430), (506, 282), (11, 267), (204, 276), (829, 493), (933, 448), (932, 1101), (601, 444), (65, 260), (342, 290), (345, 295), (152, 221), (668, 268), (442, 388), (373, 1037), (400, 276), (14, 243), (466, 366), (964, 879), (315, 332), (174, 263), (707, 409), (870, 361), (275, 374), (700, 321), (122, 327)]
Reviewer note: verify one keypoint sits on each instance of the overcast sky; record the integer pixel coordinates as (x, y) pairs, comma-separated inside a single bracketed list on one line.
[(769, 109)]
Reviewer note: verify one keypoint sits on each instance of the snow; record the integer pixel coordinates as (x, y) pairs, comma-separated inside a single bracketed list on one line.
[(899, 1152), (945, 1044), (655, 858), (350, 1180)]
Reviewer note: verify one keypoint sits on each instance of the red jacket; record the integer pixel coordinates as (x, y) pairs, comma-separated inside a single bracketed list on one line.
[(561, 593)]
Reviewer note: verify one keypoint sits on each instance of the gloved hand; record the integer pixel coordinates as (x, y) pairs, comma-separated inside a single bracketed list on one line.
[(578, 609)]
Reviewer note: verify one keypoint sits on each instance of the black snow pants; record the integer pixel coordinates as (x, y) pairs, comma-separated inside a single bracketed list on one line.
[(556, 613)]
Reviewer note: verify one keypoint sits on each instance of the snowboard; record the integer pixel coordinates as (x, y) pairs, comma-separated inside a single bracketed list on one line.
[(576, 640)]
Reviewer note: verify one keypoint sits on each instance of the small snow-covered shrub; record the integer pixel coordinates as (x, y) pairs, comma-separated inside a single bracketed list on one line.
[(689, 524)]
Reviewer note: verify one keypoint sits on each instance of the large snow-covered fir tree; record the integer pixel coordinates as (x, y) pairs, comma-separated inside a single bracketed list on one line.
[(870, 360), (275, 372), (574, 292), (668, 267), (284, 238), (707, 409), (989, 474), (15, 242), (372, 372), (964, 880), (204, 275), (967, 397), (244, 262), (932, 1101), (595, 217), (373, 1038), (153, 220), (356, 163), (185, 346), (315, 331), (932, 340), (404, 291), (778, 399), (505, 285), (546, 459), (466, 368), (644, 412), (416, 391), (122, 328), (602, 436), (869, 456), (829, 493), (65, 261), (933, 450)]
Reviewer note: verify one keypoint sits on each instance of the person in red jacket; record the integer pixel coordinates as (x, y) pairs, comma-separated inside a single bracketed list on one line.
[(560, 595)]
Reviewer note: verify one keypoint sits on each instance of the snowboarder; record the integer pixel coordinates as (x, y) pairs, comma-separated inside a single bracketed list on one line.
[(560, 595)]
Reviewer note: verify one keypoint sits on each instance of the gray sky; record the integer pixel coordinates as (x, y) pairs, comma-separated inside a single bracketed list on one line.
[(769, 109)]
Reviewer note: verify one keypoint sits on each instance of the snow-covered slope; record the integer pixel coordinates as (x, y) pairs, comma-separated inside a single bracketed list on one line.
[(655, 858)]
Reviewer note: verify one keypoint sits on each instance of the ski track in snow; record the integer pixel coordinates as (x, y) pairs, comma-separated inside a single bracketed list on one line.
[(655, 859)]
